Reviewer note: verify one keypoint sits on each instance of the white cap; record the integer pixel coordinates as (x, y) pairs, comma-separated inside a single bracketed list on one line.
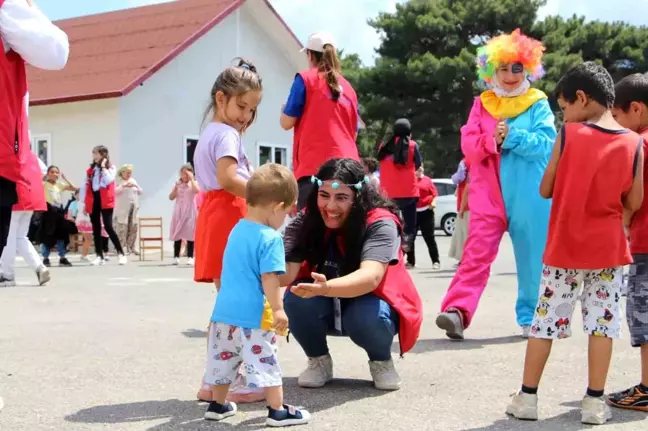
[(317, 41)]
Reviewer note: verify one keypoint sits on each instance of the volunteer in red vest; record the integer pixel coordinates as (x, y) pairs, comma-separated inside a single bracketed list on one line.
[(31, 197), (323, 109), (347, 276), (425, 219), (26, 36), (399, 160), (99, 197)]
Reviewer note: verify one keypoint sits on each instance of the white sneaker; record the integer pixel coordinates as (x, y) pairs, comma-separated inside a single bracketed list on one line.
[(190, 261), (176, 261), (384, 375), (436, 266), (123, 260), (525, 331), (318, 373), (595, 411), (85, 259), (98, 261), (523, 406), (43, 275)]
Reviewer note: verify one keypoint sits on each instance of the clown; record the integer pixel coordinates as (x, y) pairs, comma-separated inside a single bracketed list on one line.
[(507, 141)]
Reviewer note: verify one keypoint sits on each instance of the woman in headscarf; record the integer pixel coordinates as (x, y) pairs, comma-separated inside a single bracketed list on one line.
[(399, 160), (507, 143), (323, 109)]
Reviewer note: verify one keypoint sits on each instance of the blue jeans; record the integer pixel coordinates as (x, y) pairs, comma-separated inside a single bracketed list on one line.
[(60, 246), (368, 320)]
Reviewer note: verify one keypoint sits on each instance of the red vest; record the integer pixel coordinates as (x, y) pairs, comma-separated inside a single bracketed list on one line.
[(31, 195), (14, 137), (399, 181), (639, 225), (107, 193), (594, 172), (396, 288), (327, 129), (462, 187), (427, 192)]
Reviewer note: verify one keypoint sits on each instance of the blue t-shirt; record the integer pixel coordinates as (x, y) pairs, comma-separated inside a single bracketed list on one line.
[(297, 100), (252, 249)]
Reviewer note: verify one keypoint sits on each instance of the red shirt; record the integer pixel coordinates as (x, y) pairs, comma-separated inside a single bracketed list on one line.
[(427, 192), (461, 187), (399, 181), (594, 172), (327, 129), (639, 226)]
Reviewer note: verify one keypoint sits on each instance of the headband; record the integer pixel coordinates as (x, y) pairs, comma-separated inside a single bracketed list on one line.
[(516, 49), (336, 184)]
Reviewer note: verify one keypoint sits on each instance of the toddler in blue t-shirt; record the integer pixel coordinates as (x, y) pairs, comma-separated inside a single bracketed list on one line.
[(242, 331)]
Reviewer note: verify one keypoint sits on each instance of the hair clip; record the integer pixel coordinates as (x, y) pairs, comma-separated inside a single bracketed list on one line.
[(336, 185), (245, 66), (316, 180)]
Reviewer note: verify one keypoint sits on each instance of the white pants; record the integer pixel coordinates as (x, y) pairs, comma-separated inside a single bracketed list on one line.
[(17, 242)]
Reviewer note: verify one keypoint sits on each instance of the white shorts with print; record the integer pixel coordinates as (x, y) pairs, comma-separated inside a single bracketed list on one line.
[(229, 346), (599, 292)]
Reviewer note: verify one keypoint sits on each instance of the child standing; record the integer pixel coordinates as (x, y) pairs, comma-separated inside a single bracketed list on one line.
[(595, 172), (183, 221), (631, 111), (222, 170), (241, 330)]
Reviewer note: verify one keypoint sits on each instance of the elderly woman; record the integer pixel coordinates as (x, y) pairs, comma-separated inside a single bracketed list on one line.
[(507, 143), (127, 208), (347, 275)]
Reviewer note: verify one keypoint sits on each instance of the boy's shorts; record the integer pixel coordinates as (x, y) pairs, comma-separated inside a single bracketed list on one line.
[(559, 291), (637, 306), (229, 346)]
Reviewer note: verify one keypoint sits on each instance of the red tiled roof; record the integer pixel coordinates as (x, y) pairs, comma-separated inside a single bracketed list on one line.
[(111, 53)]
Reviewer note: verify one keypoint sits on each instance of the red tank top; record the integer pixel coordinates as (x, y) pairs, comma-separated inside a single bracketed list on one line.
[(399, 181), (14, 141), (327, 129), (594, 172), (639, 226)]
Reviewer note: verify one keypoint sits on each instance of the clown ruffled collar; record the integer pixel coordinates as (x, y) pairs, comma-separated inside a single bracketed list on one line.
[(510, 107)]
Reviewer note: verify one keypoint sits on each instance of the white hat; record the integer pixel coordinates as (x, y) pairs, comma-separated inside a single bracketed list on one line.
[(317, 41)]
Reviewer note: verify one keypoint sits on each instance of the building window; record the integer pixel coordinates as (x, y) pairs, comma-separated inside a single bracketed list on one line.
[(42, 146), (268, 153), (189, 148)]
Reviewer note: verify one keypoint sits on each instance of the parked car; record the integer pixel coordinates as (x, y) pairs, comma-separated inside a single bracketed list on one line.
[(445, 213)]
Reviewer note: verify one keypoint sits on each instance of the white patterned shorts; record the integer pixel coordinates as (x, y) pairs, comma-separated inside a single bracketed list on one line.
[(229, 346), (599, 292)]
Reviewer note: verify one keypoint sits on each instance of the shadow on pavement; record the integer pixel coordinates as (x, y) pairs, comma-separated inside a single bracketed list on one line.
[(194, 333), (183, 415), (568, 421), (441, 344)]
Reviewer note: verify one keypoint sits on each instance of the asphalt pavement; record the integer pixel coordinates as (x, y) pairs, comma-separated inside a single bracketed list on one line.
[(122, 348)]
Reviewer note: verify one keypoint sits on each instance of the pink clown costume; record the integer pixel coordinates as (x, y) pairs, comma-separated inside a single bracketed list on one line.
[(504, 188)]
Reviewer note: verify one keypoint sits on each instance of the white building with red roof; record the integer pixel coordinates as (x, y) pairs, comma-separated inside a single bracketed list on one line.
[(138, 81)]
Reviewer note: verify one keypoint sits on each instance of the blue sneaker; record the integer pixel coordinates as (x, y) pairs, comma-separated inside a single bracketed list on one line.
[(218, 412), (288, 416)]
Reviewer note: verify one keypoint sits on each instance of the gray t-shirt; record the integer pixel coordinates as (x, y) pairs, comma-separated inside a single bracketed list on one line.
[(381, 243)]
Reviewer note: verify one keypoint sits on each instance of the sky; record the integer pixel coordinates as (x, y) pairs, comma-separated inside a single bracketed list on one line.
[(350, 28)]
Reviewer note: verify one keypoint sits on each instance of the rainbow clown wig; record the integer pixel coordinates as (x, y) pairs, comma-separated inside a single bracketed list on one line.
[(510, 49)]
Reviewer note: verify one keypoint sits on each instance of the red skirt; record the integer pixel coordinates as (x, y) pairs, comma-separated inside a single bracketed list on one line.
[(219, 213)]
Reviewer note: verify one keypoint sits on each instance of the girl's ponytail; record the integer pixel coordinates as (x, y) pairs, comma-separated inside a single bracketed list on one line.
[(330, 65)]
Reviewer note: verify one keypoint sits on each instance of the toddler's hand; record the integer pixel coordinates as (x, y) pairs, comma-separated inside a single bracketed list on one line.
[(280, 320)]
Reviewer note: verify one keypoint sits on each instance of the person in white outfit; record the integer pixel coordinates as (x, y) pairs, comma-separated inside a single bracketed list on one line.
[(26, 31)]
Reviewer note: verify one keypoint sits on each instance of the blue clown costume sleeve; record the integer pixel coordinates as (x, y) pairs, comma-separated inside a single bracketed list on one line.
[(525, 155)]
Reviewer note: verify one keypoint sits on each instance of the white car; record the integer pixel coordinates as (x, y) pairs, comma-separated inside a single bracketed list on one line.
[(445, 213)]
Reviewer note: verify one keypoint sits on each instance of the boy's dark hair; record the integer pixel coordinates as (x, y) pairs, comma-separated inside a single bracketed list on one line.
[(590, 78), (271, 183), (632, 88), (371, 163)]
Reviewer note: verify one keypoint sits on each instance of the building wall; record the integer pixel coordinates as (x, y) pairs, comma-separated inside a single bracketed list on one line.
[(156, 116), (75, 128)]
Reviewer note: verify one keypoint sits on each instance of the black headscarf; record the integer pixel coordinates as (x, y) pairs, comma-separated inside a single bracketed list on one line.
[(398, 144)]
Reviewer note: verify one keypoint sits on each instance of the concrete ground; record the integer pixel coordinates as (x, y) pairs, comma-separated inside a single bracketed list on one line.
[(122, 348)]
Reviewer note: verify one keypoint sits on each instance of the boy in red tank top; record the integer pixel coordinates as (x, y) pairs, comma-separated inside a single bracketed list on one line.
[(594, 174), (631, 111)]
